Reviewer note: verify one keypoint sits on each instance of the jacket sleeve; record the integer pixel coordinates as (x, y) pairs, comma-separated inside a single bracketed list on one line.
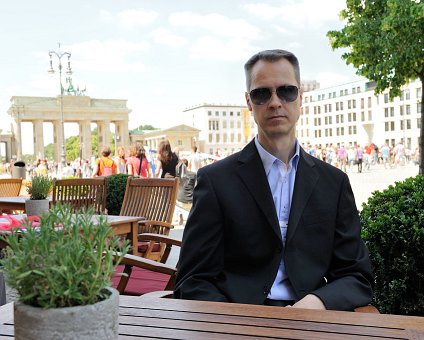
[(350, 275), (202, 251)]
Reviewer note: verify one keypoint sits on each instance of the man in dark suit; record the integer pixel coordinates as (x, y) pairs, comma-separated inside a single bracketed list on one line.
[(271, 224)]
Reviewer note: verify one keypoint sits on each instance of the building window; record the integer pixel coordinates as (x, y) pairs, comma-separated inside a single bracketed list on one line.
[(232, 138), (407, 95), (362, 103), (363, 116), (354, 103), (232, 125), (369, 101), (224, 113), (224, 124), (341, 106), (238, 124), (401, 110), (418, 94), (408, 109), (349, 104), (209, 113), (224, 137), (231, 113), (216, 113), (386, 98), (392, 111), (210, 138), (386, 112), (418, 107), (238, 113), (369, 115), (408, 124), (217, 138)]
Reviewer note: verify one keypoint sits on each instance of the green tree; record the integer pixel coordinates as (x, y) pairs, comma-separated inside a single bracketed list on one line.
[(385, 42), (145, 127)]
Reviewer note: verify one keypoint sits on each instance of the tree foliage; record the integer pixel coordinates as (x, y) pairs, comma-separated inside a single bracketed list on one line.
[(385, 42)]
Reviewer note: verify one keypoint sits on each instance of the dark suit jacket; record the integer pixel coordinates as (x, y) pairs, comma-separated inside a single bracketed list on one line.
[(232, 243)]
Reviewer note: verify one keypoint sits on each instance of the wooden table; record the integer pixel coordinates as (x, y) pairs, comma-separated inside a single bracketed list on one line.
[(147, 317), (121, 225), (14, 203), (125, 225)]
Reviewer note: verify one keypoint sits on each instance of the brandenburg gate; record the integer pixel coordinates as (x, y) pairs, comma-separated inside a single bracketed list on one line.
[(82, 110)]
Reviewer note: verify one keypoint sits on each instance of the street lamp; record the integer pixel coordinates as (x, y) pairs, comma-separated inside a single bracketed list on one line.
[(59, 54)]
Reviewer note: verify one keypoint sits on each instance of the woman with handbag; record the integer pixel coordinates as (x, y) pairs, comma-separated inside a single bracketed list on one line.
[(137, 163)]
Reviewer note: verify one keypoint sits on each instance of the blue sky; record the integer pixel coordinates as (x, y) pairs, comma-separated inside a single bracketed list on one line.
[(163, 55)]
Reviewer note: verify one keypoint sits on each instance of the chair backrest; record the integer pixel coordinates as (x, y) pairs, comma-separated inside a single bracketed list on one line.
[(151, 198), (10, 187), (81, 192)]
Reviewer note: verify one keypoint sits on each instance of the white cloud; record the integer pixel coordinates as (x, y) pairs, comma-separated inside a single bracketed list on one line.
[(105, 15), (211, 48), (217, 24), (106, 56), (164, 36), (137, 17), (300, 13)]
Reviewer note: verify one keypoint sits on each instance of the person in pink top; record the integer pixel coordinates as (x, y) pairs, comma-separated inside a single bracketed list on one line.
[(137, 163)]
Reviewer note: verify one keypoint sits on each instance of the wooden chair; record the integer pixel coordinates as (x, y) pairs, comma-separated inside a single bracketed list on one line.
[(153, 200), (136, 267), (81, 192), (10, 187)]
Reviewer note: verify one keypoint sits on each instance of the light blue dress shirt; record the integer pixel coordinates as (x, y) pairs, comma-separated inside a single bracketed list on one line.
[(281, 180)]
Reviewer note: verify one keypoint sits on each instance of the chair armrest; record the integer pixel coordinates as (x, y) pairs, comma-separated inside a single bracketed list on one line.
[(367, 309), (159, 238), (169, 294), (141, 262), (156, 223)]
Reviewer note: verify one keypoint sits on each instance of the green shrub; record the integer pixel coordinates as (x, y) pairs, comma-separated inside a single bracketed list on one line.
[(393, 230), (115, 193)]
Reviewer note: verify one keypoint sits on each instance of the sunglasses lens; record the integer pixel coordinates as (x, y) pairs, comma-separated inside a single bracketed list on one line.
[(287, 93), (260, 96)]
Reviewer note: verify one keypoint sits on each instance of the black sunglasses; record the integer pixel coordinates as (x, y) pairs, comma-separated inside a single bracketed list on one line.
[(262, 95)]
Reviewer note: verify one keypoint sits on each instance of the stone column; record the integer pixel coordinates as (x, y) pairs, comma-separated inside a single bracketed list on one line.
[(57, 139), (103, 133), (16, 127), (38, 139), (124, 137), (85, 139)]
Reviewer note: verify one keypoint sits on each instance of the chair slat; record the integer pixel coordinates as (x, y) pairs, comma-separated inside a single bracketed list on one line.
[(81, 193)]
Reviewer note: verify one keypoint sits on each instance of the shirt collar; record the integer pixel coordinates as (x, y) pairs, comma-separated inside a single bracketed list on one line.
[(268, 159)]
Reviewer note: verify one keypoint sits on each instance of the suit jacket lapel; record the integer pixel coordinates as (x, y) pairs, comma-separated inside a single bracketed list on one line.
[(306, 179), (252, 173)]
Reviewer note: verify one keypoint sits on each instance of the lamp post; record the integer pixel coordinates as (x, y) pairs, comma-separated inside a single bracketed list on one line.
[(59, 54)]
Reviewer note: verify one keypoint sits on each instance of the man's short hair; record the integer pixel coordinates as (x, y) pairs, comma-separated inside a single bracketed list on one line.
[(271, 56)]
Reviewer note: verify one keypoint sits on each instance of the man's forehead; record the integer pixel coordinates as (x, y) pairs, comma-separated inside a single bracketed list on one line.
[(273, 70)]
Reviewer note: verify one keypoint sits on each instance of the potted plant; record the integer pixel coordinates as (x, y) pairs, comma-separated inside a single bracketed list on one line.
[(62, 271), (38, 189)]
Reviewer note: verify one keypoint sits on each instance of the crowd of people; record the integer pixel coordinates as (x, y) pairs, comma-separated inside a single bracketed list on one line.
[(347, 157)]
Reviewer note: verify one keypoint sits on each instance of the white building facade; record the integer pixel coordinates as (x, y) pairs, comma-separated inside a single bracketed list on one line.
[(224, 129), (352, 114)]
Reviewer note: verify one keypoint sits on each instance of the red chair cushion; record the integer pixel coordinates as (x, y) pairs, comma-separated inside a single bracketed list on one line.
[(142, 281), (142, 247)]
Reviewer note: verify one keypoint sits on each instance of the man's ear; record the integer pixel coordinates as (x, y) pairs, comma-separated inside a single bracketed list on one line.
[(249, 105)]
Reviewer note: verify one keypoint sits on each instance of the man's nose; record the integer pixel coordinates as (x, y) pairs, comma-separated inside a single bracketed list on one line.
[(274, 101)]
